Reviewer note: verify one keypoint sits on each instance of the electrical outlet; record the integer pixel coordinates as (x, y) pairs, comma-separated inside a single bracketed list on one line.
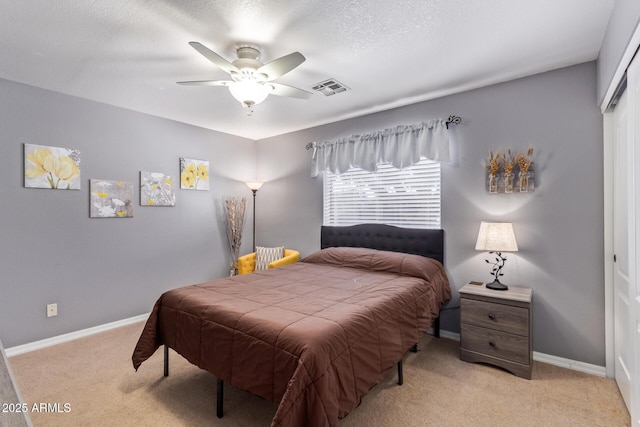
[(52, 310)]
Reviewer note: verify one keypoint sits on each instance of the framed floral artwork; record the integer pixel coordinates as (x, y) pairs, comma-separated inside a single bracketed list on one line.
[(111, 199), (156, 189), (194, 174), (51, 167)]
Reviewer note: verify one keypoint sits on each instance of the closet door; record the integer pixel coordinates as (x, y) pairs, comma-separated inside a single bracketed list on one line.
[(621, 306), (633, 87)]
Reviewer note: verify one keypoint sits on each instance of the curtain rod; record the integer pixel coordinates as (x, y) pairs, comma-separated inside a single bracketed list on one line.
[(455, 120)]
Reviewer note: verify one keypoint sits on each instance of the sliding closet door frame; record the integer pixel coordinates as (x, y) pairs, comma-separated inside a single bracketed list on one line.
[(607, 107), (608, 159), (608, 127)]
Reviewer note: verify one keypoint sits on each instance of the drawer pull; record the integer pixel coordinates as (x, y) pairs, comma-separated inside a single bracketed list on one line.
[(492, 343), (492, 316)]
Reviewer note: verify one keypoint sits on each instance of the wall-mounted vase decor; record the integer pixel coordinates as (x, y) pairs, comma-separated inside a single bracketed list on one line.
[(111, 199), (510, 173), (194, 174), (51, 167), (156, 189)]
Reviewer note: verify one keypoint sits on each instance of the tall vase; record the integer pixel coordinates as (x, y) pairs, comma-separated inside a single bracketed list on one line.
[(524, 182), (493, 183), (508, 183)]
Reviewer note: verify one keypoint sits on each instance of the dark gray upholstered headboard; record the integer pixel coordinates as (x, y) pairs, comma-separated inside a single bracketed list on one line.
[(418, 241)]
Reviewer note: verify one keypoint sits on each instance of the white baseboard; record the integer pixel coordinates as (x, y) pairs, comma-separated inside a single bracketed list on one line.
[(562, 362), (37, 345), (574, 365)]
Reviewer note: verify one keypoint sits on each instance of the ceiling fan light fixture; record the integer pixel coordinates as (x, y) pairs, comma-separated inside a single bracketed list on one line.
[(250, 93), (251, 79)]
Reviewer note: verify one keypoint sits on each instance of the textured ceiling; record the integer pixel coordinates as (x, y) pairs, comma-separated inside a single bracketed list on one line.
[(131, 53)]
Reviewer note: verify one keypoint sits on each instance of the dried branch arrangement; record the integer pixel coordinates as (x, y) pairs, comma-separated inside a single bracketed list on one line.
[(494, 163), (525, 161), (234, 208), (505, 162), (509, 161)]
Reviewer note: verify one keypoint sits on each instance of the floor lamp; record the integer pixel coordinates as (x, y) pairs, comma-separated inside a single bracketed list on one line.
[(254, 186)]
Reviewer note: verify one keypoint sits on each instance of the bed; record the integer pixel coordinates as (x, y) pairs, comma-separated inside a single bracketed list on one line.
[(312, 337)]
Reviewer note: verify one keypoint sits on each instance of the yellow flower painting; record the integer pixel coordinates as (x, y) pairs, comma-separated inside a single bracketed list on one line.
[(51, 167), (194, 174), (110, 199), (156, 189)]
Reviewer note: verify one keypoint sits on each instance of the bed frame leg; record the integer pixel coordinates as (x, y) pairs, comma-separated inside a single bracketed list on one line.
[(414, 348), (220, 398), (166, 361), (400, 376), (436, 327)]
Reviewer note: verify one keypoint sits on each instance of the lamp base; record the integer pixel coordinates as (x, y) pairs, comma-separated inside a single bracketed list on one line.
[(497, 286)]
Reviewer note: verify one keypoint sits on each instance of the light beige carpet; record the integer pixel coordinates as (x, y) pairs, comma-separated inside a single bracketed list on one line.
[(95, 377)]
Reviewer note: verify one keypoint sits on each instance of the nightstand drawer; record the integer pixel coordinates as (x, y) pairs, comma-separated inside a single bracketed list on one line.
[(501, 317), (500, 345)]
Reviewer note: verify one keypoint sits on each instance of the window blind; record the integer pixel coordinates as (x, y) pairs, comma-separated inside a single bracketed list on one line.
[(408, 197)]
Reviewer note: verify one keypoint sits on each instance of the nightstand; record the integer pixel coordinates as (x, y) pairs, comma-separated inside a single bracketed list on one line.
[(496, 327)]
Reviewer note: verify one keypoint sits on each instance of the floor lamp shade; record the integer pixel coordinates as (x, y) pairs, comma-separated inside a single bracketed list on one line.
[(254, 185)]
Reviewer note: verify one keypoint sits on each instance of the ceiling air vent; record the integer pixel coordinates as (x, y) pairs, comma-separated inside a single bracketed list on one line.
[(330, 87)]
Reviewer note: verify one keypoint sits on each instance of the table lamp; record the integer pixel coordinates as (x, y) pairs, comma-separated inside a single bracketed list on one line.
[(496, 237)]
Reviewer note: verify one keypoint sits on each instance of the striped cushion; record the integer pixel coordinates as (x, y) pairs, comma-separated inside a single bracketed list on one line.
[(265, 256)]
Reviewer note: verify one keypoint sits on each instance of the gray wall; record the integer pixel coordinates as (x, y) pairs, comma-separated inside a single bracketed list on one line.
[(559, 227), (622, 24), (103, 270)]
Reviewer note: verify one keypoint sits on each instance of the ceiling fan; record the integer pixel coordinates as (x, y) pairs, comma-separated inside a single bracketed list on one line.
[(251, 80)]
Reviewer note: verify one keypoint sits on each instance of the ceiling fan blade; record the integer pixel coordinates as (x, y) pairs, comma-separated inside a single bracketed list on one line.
[(290, 91), (281, 66), (207, 83), (217, 60)]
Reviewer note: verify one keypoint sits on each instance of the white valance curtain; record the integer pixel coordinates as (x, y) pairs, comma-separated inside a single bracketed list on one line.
[(401, 146)]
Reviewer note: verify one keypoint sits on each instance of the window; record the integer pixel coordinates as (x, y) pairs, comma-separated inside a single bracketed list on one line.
[(408, 197)]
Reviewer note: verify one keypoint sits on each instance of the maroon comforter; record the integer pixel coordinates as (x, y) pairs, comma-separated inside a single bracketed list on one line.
[(313, 337)]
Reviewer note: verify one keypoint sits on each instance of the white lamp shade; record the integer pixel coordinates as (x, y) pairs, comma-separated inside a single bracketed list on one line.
[(254, 185), (250, 92), (496, 237)]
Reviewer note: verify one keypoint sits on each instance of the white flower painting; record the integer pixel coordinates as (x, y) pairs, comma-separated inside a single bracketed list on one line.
[(111, 199), (156, 189), (51, 167)]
